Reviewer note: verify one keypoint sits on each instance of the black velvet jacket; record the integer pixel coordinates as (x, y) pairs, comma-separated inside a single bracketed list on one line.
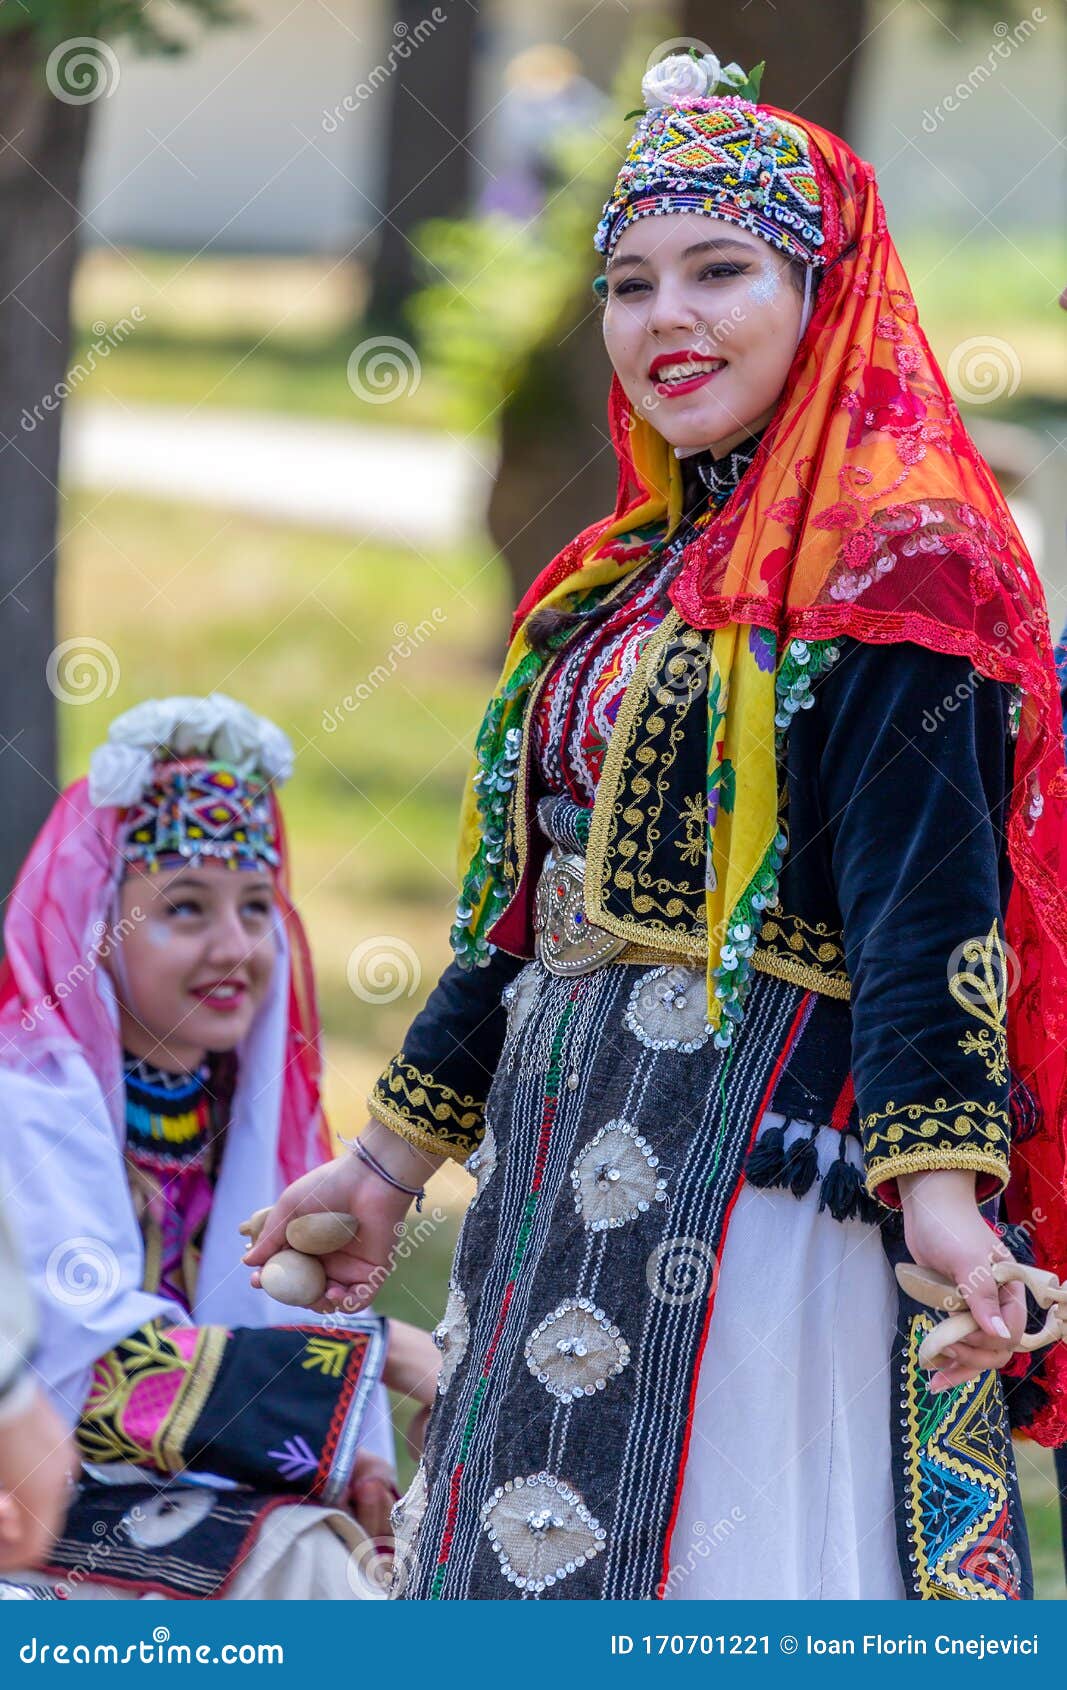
[(893, 783)]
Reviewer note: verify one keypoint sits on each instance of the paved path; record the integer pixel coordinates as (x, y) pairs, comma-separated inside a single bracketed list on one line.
[(418, 487)]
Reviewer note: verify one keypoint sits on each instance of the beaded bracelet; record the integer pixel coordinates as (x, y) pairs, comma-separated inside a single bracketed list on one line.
[(416, 1191)]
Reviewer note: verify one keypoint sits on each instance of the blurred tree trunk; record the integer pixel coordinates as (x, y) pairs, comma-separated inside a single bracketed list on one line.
[(557, 468), (427, 150), (41, 151)]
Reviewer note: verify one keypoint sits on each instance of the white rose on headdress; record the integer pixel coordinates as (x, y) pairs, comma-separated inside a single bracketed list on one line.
[(119, 774), (679, 78), (235, 735), (149, 725), (193, 732), (711, 70)]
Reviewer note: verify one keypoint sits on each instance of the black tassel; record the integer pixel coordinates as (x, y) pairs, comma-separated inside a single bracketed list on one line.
[(840, 1188), (766, 1160), (1025, 1398), (869, 1209), (802, 1164)]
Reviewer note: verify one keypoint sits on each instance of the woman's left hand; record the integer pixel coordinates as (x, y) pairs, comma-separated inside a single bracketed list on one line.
[(944, 1230)]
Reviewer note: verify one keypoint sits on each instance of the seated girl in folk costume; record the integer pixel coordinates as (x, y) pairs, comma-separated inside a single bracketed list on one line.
[(159, 1081)]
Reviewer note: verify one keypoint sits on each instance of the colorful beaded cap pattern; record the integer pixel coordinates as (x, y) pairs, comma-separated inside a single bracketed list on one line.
[(199, 810), (725, 158)]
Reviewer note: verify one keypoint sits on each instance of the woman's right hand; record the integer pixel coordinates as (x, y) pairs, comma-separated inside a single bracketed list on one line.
[(356, 1274)]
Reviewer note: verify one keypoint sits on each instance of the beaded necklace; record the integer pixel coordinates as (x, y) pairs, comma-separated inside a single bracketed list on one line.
[(175, 1115)]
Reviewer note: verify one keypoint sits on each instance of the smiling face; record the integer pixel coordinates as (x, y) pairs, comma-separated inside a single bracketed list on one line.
[(701, 323), (194, 961)]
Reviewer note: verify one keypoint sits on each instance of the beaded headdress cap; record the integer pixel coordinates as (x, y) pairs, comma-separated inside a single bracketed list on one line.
[(718, 154), (196, 811), (194, 777)]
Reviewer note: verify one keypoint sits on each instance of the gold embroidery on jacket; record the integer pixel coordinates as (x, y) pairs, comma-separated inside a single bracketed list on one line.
[(906, 1138), (631, 799), (425, 1110), (982, 991)]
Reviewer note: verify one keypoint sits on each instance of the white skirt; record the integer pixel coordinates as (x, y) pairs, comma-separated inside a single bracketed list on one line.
[(787, 1491)]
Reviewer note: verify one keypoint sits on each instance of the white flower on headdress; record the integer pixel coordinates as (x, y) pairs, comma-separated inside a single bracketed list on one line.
[(679, 78), (118, 774), (235, 733), (147, 725), (193, 731), (216, 727)]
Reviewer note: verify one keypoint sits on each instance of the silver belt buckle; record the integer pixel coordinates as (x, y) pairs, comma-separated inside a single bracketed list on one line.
[(567, 941)]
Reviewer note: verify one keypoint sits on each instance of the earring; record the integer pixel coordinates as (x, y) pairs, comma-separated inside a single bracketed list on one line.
[(600, 287)]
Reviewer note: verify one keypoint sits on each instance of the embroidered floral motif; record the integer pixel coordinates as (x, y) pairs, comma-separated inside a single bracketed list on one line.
[(540, 1530), (668, 1009), (982, 990), (146, 1392), (452, 1335), (615, 1177), (575, 1350), (692, 818)]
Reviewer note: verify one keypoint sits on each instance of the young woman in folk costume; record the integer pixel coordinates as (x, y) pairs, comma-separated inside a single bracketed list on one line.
[(771, 787), (159, 1081)]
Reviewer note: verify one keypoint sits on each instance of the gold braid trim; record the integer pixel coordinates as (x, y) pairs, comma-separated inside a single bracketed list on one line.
[(912, 1138), (168, 1445), (803, 974), (809, 956), (429, 1114)]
